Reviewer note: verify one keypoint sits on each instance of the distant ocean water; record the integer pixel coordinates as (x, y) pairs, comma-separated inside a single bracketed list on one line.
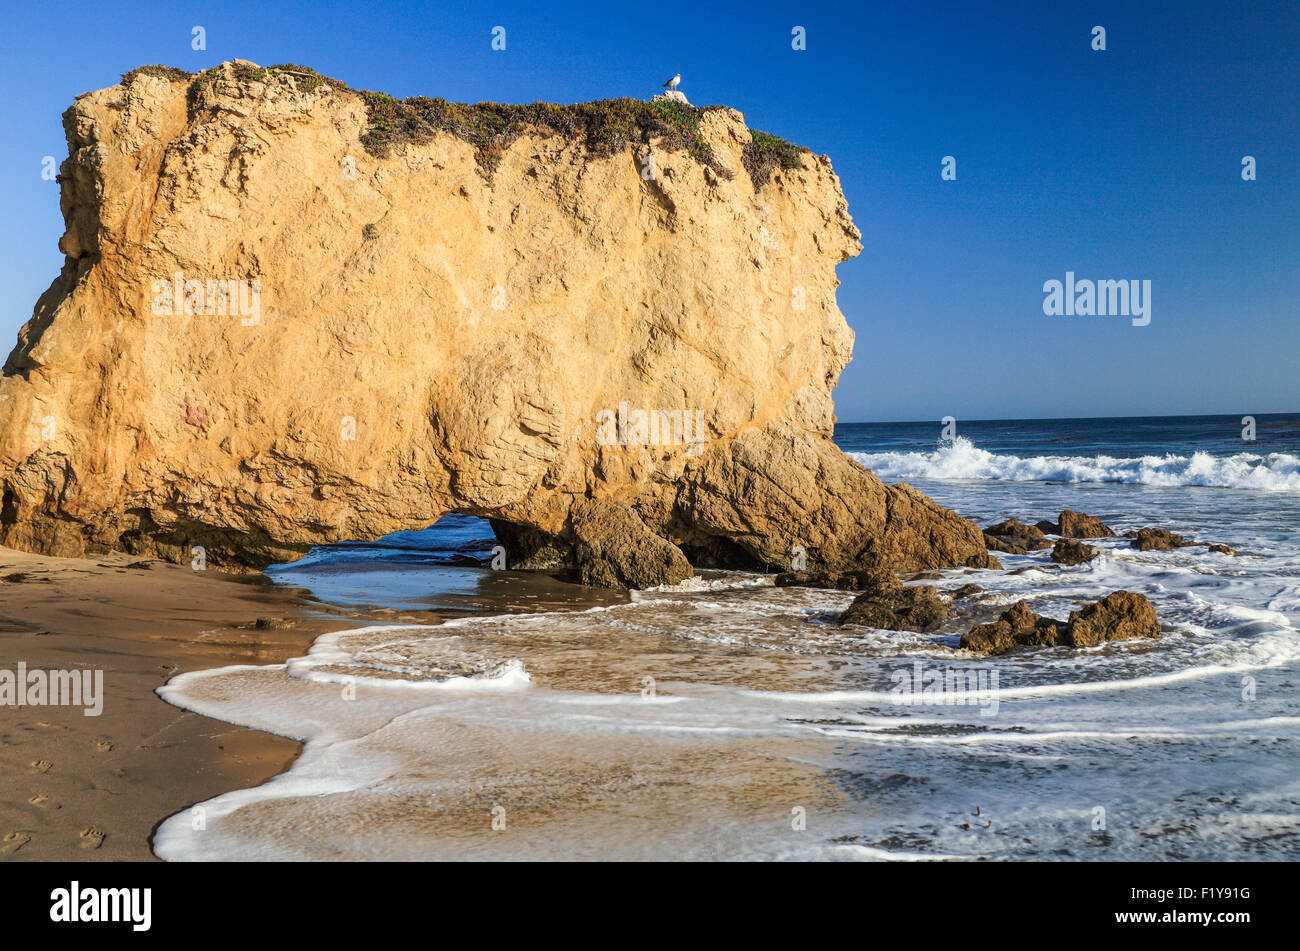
[(726, 718), (1157, 451)]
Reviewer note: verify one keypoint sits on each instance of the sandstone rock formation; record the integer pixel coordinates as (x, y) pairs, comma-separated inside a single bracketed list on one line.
[(1121, 615), (509, 330)]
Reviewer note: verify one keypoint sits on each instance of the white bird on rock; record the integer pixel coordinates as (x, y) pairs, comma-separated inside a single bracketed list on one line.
[(672, 83)]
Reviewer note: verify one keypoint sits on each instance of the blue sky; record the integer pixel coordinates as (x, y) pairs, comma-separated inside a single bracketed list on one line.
[(1122, 164)]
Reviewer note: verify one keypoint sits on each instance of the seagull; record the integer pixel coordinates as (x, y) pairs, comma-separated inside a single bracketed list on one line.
[(672, 83)]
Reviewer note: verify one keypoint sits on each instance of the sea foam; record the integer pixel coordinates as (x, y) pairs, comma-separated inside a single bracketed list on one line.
[(961, 459)]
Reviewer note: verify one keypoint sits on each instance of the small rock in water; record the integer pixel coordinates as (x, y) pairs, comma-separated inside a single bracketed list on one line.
[(891, 606), (1014, 537), (1156, 539), (1078, 525), (1120, 616), (1068, 552)]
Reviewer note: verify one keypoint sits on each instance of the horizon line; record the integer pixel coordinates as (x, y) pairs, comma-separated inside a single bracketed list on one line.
[(1048, 419)]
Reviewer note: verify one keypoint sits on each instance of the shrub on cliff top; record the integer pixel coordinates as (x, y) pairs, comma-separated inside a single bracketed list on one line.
[(169, 73), (606, 126), (766, 153)]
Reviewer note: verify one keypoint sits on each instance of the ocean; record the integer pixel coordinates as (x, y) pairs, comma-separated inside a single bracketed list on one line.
[(480, 714)]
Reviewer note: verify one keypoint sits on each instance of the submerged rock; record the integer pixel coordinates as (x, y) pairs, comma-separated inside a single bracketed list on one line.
[(1069, 552), (1121, 615), (252, 363), (1223, 549)]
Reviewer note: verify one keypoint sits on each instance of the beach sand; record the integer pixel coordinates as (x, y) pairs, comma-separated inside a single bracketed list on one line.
[(93, 787)]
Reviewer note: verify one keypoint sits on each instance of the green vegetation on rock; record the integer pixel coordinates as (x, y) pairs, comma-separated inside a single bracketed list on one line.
[(170, 73), (766, 153), (605, 127)]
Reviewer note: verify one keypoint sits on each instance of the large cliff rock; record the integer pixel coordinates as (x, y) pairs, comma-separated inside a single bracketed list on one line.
[(429, 334)]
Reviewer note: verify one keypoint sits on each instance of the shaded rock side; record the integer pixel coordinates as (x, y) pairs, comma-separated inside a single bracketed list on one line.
[(615, 549), (432, 338)]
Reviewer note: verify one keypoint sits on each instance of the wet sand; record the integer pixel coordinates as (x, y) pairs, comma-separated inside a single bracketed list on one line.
[(93, 787)]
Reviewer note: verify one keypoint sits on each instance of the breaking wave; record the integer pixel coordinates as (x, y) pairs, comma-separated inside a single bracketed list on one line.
[(963, 460)]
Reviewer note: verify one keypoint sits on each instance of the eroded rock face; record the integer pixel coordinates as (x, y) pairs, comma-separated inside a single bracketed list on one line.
[(428, 338)]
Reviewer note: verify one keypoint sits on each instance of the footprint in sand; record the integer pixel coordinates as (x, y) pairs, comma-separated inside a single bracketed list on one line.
[(104, 746), (91, 838), (41, 765), (44, 801), (13, 842)]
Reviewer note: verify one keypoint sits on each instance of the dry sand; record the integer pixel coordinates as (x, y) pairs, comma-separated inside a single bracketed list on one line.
[(85, 787)]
